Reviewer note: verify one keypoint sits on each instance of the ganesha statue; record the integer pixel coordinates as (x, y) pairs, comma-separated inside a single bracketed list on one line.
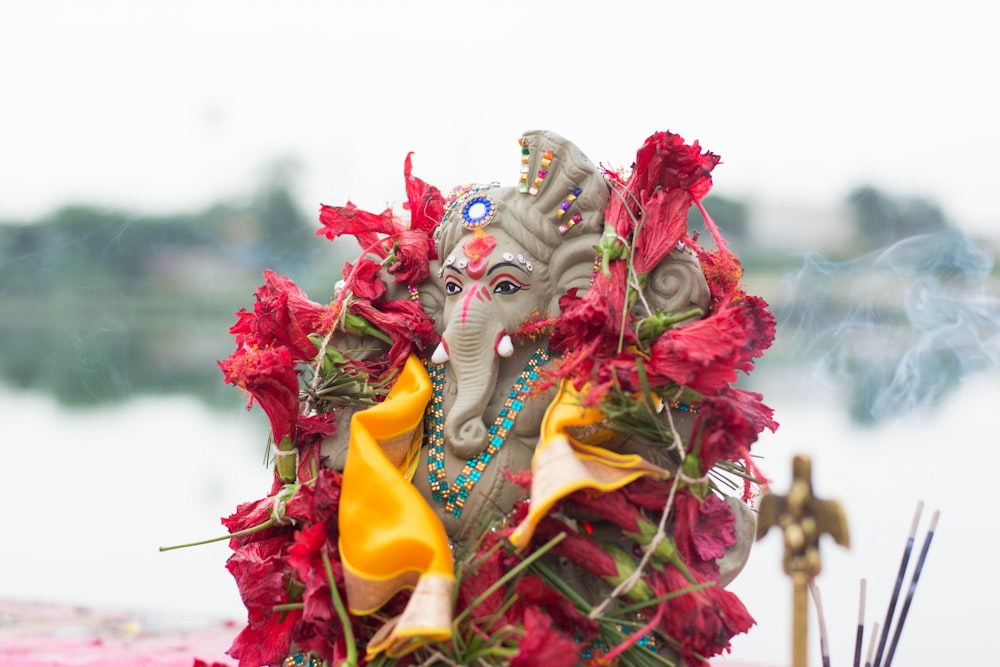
[(514, 426)]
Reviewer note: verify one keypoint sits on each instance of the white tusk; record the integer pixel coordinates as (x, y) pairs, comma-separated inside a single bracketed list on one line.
[(505, 347), (440, 354)]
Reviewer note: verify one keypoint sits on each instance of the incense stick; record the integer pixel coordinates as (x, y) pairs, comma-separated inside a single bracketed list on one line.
[(899, 584), (824, 646), (859, 638), (871, 644), (913, 587)]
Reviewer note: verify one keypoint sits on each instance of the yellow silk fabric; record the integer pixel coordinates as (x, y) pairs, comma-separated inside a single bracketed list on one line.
[(562, 464), (390, 538)]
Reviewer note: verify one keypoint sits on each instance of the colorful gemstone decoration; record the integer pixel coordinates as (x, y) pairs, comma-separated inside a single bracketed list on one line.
[(542, 172), (456, 196), (455, 495), (570, 198), (565, 227), (684, 407), (300, 660), (478, 212), (522, 183)]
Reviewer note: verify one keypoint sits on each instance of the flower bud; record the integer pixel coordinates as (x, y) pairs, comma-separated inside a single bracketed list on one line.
[(356, 324), (625, 566)]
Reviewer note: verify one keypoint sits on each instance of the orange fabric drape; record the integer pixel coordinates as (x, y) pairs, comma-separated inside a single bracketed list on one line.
[(390, 538), (562, 464)]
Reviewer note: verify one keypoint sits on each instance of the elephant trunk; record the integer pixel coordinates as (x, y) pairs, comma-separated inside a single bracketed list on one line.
[(475, 366)]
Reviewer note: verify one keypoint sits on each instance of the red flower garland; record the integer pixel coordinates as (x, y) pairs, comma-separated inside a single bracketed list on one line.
[(285, 559)]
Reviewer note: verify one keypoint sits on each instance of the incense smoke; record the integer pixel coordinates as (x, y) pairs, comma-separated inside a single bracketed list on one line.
[(899, 326)]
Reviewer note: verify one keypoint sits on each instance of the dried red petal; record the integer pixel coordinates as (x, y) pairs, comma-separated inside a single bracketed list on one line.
[(424, 202), (364, 226), (728, 425), (702, 621), (362, 279), (283, 316), (703, 529), (543, 646), (270, 377), (412, 249)]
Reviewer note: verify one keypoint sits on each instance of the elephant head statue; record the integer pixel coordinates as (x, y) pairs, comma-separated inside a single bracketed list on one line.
[(505, 257)]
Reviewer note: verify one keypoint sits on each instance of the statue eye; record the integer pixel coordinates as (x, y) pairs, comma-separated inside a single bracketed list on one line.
[(506, 287), (451, 288)]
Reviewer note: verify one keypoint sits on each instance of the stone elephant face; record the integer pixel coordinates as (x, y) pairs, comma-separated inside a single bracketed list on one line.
[(506, 256)]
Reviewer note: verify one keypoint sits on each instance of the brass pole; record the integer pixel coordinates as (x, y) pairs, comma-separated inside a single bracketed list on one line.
[(802, 518)]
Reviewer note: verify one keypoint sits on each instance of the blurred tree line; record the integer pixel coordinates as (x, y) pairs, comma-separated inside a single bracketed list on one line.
[(100, 305)]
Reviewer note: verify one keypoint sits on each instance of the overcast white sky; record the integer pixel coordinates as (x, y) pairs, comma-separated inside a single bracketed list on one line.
[(169, 106)]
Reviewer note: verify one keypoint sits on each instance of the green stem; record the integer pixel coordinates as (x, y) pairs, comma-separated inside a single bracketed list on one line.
[(240, 533), (650, 402), (556, 582), (625, 611), (345, 620)]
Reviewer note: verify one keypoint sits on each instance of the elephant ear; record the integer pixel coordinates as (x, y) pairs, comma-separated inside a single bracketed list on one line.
[(570, 205), (432, 297), (572, 266), (676, 285)]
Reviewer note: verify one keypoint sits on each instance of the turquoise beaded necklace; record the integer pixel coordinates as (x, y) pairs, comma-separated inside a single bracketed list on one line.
[(455, 495)]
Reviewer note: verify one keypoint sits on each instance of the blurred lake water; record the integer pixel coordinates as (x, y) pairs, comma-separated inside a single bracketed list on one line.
[(94, 493)]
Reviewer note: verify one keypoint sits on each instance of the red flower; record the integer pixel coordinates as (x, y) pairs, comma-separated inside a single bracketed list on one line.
[(317, 502), (487, 568), (705, 354), (305, 558), (412, 249), (316, 424), (728, 425), (589, 328), (701, 621), (702, 531), (612, 506), (364, 226), (403, 320), (408, 250), (269, 376), (265, 640), (283, 316), (664, 163), (648, 493), (262, 577), (533, 593), (576, 548), (424, 202), (362, 279), (665, 223), (251, 515), (543, 646)]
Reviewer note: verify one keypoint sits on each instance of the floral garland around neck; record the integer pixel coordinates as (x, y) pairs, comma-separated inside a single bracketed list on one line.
[(454, 497)]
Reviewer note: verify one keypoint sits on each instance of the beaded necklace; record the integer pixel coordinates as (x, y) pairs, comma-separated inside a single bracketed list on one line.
[(454, 497)]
